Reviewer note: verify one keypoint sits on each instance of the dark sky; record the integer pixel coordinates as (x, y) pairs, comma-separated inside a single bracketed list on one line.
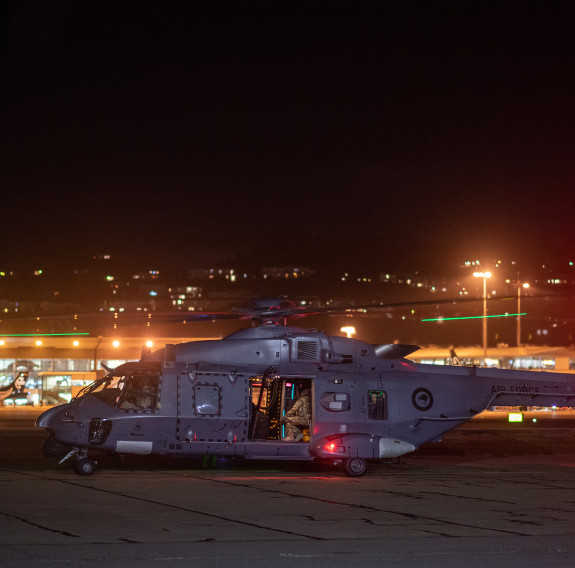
[(377, 133)]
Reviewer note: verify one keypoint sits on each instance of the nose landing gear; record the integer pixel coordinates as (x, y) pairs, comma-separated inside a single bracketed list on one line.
[(83, 464)]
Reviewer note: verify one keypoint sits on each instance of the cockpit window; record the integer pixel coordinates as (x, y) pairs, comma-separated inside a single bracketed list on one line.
[(106, 389), (140, 391), (137, 391)]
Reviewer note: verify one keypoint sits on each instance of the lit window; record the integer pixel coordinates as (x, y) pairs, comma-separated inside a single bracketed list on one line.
[(376, 405)]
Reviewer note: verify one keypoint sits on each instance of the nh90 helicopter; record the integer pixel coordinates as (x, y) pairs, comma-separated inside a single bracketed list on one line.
[(230, 397)]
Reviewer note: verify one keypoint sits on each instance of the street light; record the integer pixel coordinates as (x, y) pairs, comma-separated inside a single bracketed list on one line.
[(519, 286), (96, 352), (485, 276)]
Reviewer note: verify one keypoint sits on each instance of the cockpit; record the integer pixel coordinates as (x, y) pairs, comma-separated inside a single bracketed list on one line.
[(128, 387)]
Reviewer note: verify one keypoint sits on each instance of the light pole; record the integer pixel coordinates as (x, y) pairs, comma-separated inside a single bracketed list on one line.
[(96, 352), (519, 286), (485, 276)]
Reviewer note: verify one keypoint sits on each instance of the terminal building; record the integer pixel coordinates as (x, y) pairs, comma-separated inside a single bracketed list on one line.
[(527, 357), (56, 367)]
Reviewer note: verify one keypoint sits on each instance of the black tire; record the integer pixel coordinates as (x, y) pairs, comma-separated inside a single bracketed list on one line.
[(85, 466), (355, 467)]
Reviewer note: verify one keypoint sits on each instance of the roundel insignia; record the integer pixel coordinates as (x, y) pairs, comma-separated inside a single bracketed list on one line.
[(422, 399)]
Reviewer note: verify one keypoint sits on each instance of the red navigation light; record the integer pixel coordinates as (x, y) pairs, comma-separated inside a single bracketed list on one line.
[(330, 447)]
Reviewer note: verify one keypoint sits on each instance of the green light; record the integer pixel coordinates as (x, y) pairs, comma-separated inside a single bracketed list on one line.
[(40, 334), (475, 317)]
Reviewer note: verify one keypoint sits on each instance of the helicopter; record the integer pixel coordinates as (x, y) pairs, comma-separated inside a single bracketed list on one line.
[(231, 397)]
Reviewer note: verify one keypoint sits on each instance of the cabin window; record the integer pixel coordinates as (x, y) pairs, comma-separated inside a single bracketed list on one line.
[(207, 400), (335, 401), (376, 405)]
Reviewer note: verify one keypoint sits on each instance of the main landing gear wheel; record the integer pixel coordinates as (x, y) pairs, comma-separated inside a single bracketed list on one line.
[(85, 466), (355, 467)]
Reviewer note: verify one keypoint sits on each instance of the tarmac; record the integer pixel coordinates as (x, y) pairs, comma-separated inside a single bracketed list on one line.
[(484, 496)]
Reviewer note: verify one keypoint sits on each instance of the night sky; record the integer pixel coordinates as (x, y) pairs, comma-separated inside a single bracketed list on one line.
[(381, 134)]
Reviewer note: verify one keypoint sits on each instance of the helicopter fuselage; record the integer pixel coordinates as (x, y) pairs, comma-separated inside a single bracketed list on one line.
[(229, 398)]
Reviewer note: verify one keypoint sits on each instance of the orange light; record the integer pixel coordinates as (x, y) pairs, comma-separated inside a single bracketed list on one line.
[(348, 330)]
